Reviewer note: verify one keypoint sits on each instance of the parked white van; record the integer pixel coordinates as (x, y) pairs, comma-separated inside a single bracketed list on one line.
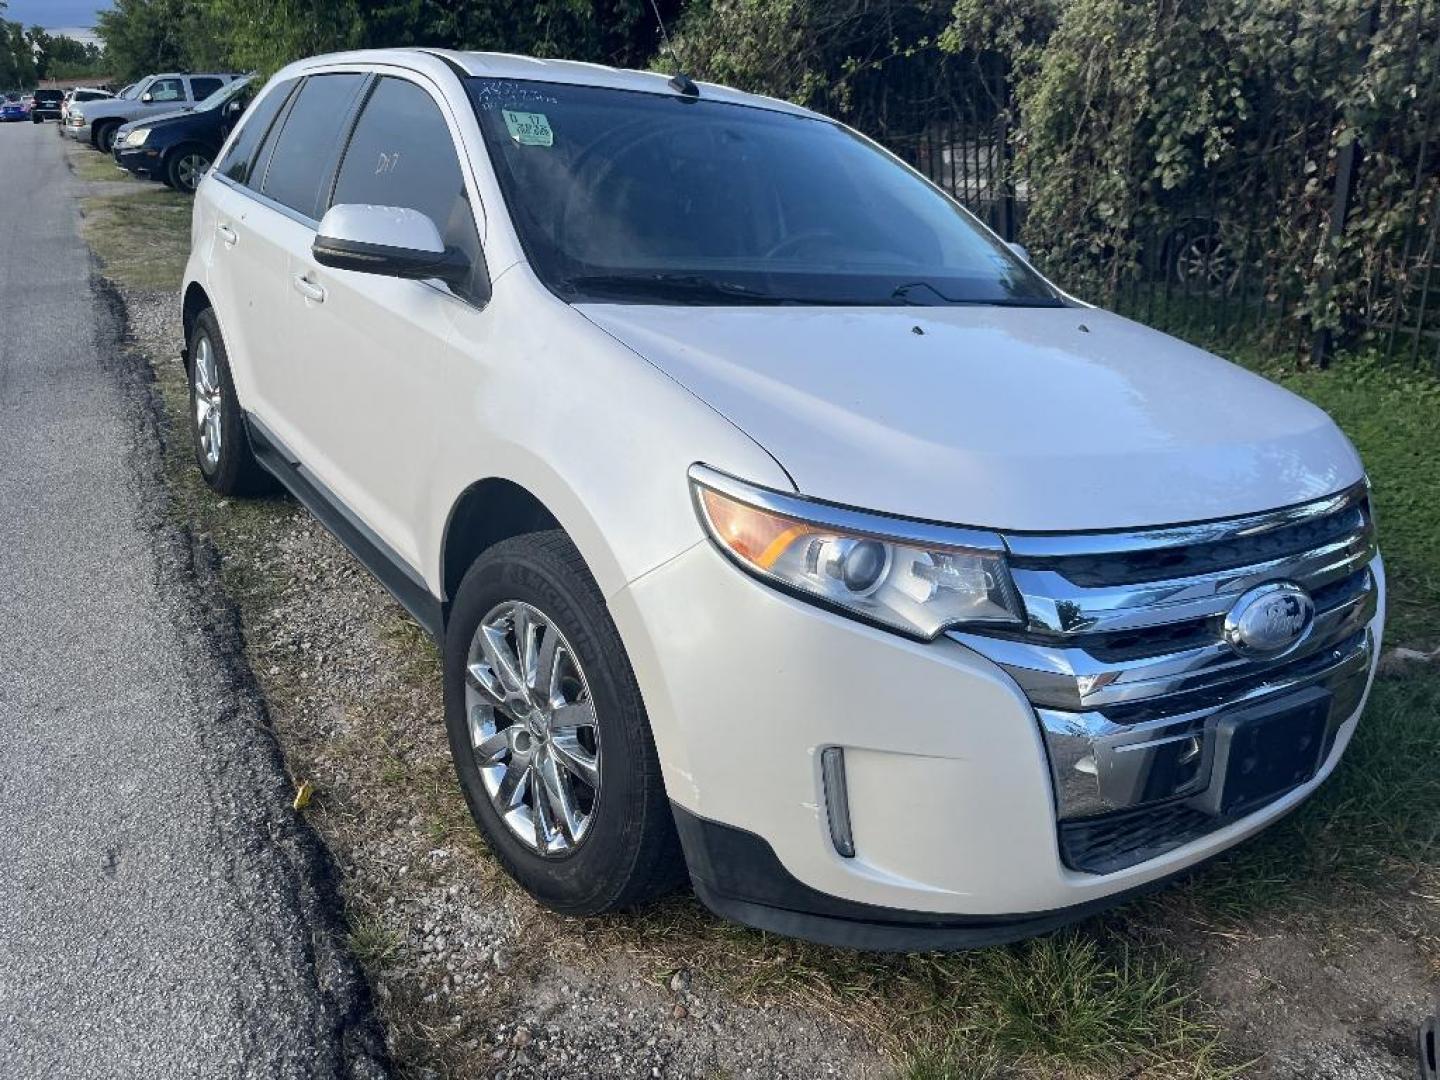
[(799, 537)]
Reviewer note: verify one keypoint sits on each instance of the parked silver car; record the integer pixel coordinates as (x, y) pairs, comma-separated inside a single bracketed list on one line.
[(97, 122)]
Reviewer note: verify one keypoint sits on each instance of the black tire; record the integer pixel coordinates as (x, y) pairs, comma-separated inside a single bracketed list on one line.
[(234, 470), (104, 139), (176, 174), (37, 119), (631, 853)]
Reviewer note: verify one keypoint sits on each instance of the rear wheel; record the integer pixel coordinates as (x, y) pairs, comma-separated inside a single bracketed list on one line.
[(185, 166), (549, 733), (222, 448)]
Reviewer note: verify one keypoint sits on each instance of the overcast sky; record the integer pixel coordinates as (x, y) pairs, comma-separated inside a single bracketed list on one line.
[(55, 14)]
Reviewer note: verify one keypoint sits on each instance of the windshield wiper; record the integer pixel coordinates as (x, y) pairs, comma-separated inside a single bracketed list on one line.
[(692, 287), (923, 294)]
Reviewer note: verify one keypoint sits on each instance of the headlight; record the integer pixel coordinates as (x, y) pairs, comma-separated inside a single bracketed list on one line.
[(908, 576), (76, 114), (137, 137)]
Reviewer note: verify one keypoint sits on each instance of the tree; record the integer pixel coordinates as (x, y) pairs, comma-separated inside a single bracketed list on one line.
[(17, 60), (813, 52), (145, 36), (266, 34)]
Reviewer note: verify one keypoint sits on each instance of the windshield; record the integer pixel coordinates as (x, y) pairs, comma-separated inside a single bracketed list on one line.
[(638, 197), (224, 94)]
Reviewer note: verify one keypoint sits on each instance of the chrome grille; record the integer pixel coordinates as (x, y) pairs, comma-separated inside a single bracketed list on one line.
[(1124, 658)]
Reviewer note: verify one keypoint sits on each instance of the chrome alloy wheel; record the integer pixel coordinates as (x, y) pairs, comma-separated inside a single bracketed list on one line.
[(189, 169), (532, 728), (209, 402)]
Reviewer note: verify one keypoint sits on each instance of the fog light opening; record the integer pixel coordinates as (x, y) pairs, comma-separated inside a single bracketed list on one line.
[(837, 800)]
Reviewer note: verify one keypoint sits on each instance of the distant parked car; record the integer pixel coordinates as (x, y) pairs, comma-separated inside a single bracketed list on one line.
[(98, 122), (79, 96), (177, 148), (45, 105), (14, 109)]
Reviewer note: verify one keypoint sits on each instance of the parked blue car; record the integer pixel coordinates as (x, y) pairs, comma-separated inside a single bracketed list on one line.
[(178, 147), (14, 110)]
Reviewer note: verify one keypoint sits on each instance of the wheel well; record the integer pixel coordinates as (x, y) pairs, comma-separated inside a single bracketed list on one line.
[(179, 148), (196, 301), (488, 512)]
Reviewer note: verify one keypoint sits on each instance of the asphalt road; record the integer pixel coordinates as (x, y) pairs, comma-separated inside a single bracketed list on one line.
[(162, 910)]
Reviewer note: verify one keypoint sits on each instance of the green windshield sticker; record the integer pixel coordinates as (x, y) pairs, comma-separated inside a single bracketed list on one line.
[(529, 128)]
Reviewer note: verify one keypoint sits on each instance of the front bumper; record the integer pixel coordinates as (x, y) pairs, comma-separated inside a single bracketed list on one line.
[(952, 800), (79, 132), (140, 160)]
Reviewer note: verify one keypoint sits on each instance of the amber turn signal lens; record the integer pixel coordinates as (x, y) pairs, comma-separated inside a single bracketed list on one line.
[(755, 535)]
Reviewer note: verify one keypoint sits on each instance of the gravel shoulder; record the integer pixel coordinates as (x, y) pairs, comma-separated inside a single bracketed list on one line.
[(473, 977)]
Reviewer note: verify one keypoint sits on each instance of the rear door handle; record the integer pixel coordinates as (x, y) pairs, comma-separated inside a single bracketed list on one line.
[(227, 234), (309, 289)]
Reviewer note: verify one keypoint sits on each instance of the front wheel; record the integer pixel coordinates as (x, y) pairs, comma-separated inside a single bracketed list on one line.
[(105, 138), (185, 168), (549, 734)]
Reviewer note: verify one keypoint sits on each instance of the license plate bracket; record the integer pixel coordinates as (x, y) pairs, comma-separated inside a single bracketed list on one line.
[(1263, 752)]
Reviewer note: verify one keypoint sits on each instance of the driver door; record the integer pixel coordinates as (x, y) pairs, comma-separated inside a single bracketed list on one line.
[(386, 350)]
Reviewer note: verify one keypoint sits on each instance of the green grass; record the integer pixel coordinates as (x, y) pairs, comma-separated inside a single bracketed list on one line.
[(1373, 828), (1392, 414), (91, 165), (372, 942), (143, 240)]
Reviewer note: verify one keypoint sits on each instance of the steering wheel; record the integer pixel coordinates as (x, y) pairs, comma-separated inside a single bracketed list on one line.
[(800, 239)]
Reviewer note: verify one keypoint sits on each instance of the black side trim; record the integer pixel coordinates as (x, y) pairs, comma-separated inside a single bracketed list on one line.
[(737, 875), (460, 72), (382, 561), (449, 265)]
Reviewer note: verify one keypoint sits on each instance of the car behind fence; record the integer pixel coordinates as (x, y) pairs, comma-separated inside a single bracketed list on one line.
[(1314, 225)]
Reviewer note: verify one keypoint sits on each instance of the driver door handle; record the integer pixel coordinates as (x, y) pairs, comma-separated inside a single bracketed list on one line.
[(228, 235), (308, 289)]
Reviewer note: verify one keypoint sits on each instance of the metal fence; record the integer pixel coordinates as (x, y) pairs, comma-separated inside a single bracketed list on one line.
[(1320, 231)]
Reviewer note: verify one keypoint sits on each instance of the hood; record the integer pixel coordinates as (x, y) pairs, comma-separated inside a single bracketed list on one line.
[(1033, 419), (107, 108), (161, 118)]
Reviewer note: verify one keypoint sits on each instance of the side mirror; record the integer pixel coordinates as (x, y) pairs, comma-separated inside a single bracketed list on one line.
[(234, 107), (1018, 249), (147, 97), (392, 241)]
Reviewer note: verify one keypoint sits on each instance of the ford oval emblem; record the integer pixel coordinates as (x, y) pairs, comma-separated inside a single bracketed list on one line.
[(1269, 619)]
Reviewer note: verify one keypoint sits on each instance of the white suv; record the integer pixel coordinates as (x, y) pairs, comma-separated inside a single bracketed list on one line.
[(792, 532)]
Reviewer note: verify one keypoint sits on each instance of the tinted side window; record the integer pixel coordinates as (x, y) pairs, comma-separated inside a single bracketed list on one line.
[(307, 145), (402, 154), (253, 128), (203, 88), (167, 90)]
